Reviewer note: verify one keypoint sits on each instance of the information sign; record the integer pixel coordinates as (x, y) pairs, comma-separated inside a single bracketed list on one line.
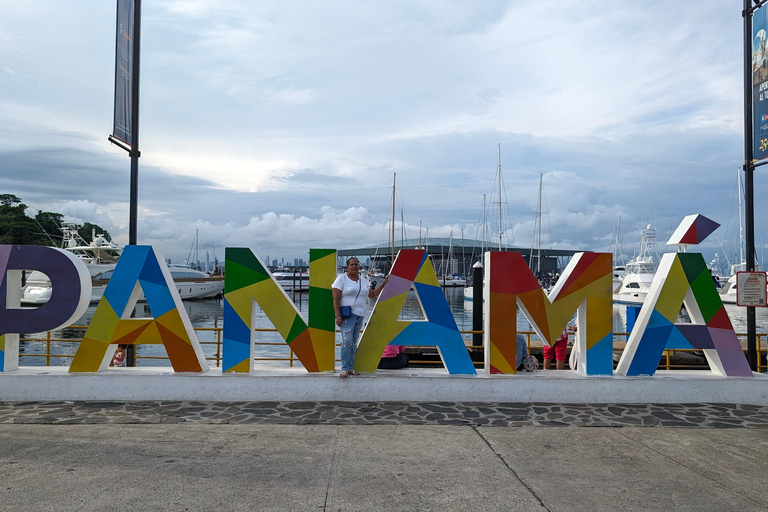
[(751, 289)]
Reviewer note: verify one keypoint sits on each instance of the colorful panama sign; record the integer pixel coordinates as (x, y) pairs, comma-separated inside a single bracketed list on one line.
[(584, 289)]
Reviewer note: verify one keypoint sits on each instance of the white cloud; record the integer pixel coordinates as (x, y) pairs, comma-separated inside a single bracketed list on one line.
[(279, 124)]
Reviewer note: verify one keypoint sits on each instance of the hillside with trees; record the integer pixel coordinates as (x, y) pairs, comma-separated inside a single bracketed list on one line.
[(16, 227)]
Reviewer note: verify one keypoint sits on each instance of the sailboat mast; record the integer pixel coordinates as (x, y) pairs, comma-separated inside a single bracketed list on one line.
[(536, 236), (420, 247), (501, 228), (741, 217), (484, 231), (394, 180), (538, 232)]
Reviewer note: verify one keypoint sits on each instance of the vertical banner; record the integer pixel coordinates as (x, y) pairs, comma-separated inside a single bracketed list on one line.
[(760, 84), (122, 128)]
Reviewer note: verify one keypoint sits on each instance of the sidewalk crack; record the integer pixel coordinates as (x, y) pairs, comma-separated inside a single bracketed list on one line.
[(332, 466), (514, 473)]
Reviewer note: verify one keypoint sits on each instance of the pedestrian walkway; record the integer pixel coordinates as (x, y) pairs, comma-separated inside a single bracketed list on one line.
[(371, 456), (391, 413)]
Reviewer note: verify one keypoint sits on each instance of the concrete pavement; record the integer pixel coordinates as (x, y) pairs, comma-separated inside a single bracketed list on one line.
[(200, 465)]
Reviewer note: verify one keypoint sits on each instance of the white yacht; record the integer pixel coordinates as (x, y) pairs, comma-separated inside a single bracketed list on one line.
[(100, 257), (452, 280), (729, 288), (619, 272), (292, 281), (639, 272)]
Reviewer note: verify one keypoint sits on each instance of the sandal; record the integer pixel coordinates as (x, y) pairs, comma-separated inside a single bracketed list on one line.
[(343, 374), (353, 372)]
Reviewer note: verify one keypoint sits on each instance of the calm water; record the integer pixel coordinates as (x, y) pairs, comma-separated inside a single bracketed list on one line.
[(209, 314)]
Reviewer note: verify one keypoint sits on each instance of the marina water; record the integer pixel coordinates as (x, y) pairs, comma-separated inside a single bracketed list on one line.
[(209, 314)]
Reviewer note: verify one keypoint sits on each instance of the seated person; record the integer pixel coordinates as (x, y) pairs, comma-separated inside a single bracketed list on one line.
[(393, 358), (120, 354), (522, 350)]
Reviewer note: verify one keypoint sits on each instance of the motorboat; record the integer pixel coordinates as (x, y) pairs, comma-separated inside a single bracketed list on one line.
[(453, 280), (292, 281), (100, 257), (639, 272), (619, 272), (729, 288), (190, 283)]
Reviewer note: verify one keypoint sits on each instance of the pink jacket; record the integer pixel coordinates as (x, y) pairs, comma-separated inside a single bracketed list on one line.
[(393, 350)]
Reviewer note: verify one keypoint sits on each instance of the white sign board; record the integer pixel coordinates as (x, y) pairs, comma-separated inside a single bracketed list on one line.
[(751, 289)]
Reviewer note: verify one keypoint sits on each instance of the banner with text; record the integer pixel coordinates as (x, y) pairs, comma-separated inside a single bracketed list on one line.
[(122, 128), (760, 84)]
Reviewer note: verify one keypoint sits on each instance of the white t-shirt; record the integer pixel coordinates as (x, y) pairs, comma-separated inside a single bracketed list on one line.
[(353, 293)]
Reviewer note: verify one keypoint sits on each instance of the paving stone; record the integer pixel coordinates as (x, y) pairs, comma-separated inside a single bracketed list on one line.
[(699, 415)]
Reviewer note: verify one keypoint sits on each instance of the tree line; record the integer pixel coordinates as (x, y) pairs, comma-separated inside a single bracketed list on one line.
[(16, 227)]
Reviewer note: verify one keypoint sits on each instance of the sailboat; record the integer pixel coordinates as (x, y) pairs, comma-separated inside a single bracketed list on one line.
[(620, 266), (729, 289), (469, 290), (377, 267), (450, 275), (536, 237)]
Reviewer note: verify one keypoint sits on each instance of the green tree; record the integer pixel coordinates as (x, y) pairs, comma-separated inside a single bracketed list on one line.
[(9, 200), (16, 227), (87, 229), (49, 227)]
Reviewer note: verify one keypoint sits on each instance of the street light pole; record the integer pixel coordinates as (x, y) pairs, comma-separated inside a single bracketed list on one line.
[(749, 168)]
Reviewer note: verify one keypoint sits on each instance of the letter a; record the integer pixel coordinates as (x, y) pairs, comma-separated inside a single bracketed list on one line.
[(140, 268), (683, 278), (413, 267)]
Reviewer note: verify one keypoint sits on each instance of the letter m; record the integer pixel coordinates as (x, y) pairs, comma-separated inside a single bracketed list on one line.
[(584, 288)]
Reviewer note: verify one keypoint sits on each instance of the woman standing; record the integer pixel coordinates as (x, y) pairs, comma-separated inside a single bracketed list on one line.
[(350, 291)]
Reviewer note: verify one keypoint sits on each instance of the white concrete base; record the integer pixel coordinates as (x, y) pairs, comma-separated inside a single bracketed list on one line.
[(432, 385)]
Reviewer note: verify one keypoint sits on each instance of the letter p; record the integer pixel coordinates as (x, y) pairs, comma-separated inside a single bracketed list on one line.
[(70, 295)]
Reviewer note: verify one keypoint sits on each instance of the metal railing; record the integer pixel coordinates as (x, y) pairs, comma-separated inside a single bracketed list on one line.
[(665, 363)]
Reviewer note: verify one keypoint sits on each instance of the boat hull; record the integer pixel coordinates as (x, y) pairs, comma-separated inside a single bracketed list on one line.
[(35, 294)]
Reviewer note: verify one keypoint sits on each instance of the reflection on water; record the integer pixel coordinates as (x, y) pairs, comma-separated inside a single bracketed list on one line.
[(209, 314), (737, 314)]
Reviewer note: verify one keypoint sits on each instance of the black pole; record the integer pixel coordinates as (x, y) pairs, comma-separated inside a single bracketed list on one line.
[(134, 191), (134, 197), (477, 303), (749, 214)]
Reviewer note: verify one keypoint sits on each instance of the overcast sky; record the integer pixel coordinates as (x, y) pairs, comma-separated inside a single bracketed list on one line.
[(278, 125)]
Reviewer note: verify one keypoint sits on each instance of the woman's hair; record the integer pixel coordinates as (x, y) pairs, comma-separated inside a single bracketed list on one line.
[(352, 258)]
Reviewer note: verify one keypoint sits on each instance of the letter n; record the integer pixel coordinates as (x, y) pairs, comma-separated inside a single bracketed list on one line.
[(140, 268), (70, 295), (584, 288), (413, 267), (248, 282)]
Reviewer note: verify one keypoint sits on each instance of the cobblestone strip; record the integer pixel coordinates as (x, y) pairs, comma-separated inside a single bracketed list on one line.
[(701, 415)]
